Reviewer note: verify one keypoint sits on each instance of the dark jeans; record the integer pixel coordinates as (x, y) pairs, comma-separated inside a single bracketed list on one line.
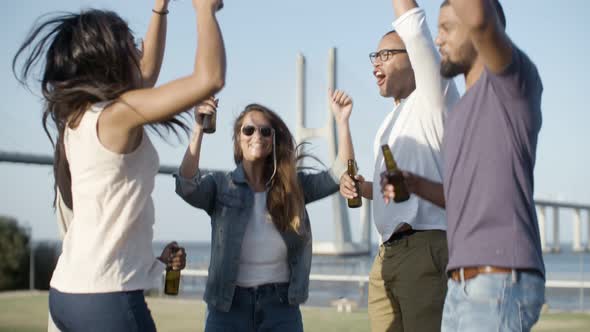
[(117, 311), (257, 309)]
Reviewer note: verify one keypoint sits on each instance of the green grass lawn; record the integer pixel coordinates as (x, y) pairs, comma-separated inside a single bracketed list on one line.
[(24, 312)]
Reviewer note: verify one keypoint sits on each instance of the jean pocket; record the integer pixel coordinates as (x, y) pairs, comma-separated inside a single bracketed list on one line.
[(531, 297), (529, 313), (485, 289)]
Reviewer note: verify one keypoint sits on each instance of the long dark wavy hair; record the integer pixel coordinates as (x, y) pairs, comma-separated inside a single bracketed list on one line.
[(285, 201), (83, 58)]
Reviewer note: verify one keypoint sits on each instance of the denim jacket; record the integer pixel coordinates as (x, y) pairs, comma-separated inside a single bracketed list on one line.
[(229, 201)]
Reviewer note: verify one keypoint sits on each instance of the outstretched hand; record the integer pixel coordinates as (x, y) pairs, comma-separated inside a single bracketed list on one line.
[(341, 105)]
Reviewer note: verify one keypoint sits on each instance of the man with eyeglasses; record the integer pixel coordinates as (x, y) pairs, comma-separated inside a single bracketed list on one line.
[(407, 283)]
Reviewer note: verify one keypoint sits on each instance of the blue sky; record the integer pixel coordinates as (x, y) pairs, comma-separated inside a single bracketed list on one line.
[(262, 39)]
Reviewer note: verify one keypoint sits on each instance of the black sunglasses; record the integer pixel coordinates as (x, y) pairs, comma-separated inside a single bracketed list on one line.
[(264, 131), (384, 55)]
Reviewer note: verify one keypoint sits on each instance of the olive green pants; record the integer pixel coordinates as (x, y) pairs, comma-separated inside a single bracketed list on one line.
[(408, 284)]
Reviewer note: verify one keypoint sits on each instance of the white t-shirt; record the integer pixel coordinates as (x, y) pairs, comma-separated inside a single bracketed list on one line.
[(414, 131), (108, 243), (263, 258)]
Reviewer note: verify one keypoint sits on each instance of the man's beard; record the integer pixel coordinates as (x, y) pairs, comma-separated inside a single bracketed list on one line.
[(450, 69)]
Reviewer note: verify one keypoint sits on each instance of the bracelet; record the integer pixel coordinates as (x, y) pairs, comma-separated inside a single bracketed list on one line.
[(165, 12)]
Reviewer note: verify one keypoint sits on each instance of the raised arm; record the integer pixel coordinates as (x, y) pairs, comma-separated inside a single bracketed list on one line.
[(319, 185), (139, 107), (486, 31), (341, 105), (200, 191), (412, 28), (402, 6), (190, 162), (154, 44)]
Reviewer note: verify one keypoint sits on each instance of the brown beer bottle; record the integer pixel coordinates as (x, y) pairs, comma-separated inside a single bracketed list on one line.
[(172, 279), (209, 123), (357, 201), (210, 120), (395, 176)]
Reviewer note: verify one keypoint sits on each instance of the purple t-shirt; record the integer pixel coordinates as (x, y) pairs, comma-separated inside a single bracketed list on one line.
[(489, 155)]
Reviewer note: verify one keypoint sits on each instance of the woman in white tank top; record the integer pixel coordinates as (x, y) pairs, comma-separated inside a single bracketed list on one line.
[(99, 91)]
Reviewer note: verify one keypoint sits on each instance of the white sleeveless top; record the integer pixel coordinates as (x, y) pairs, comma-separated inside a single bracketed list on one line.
[(263, 258), (108, 244)]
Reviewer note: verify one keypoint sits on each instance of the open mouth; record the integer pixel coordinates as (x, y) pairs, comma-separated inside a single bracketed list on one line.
[(379, 76)]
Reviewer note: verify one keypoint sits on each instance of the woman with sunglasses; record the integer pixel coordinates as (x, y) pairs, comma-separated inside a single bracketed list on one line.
[(261, 235), (98, 90)]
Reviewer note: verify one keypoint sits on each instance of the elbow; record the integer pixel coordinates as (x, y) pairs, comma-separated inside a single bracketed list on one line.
[(218, 78), (215, 83), (209, 85), (149, 75), (211, 78), (184, 188), (219, 83)]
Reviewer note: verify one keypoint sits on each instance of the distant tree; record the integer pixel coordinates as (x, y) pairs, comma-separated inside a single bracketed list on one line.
[(46, 255), (14, 255)]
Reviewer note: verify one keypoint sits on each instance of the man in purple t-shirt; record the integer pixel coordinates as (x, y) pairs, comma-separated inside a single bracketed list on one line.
[(496, 264), (495, 261)]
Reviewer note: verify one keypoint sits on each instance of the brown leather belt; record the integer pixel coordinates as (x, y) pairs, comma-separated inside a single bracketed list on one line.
[(472, 272)]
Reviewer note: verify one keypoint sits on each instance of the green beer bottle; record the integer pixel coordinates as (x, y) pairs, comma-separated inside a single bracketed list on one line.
[(357, 201), (395, 176)]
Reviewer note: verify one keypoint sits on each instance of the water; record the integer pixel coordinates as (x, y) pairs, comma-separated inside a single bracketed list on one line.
[(567, 265)]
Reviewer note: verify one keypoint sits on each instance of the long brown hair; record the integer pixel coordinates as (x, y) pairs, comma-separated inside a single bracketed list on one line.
[(285, 202), (87, 57)]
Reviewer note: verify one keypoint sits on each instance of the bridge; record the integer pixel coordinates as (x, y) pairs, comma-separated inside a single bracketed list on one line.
[(550, 213)]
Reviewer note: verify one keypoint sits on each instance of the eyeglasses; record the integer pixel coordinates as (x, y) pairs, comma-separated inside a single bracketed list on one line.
[(384, 55), (264, 131)]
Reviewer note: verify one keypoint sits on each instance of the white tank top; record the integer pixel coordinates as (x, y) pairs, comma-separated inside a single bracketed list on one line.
[(108, 244), (263, 258)]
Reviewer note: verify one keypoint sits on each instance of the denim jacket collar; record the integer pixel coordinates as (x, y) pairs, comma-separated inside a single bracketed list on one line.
[(238, 175)]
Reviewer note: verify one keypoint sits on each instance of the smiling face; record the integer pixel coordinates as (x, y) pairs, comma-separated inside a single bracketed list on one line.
[(395, 76), (255, 137)]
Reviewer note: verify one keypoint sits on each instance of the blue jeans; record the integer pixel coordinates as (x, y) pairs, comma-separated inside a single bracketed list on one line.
[(113, 312), (257, 309), (494, 302)]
